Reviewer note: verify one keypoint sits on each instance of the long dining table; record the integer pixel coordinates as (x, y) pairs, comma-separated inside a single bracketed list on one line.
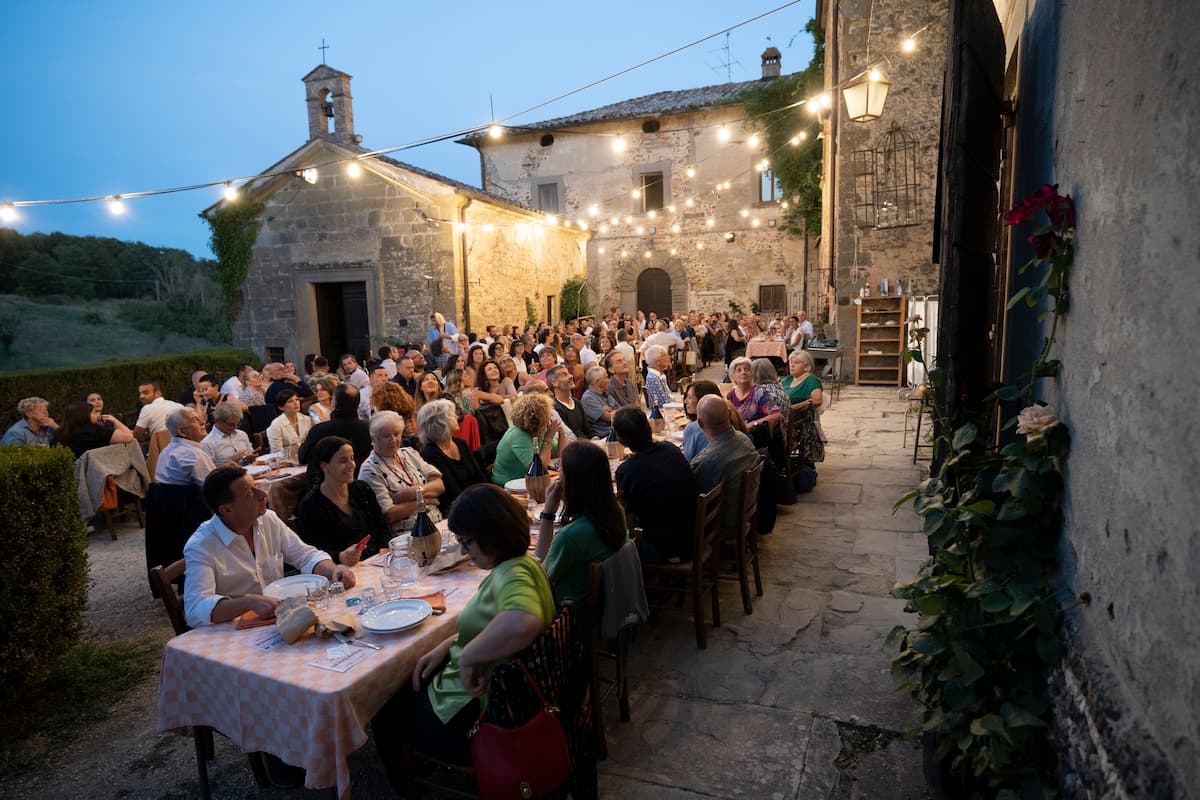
[(308, 703)]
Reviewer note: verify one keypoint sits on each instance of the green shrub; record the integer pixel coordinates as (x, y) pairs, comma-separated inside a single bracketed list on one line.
[(117, 381), (43, 586), (166, 318)]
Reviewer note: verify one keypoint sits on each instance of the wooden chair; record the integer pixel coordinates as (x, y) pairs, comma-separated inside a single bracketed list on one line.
[(742, 551), (167, 581), (615, 650), (699, 574), (158, 441)]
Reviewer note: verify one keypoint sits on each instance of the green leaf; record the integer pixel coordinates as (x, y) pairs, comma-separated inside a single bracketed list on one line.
[(982, 507), (936, 376), (1049, 648), (1007, 393), (964, 436), (927, 644), (1020, 718), (895, 635), (1016, 298), (1012, 509), (915, 355), (1047, 370), (968, 668), (905, 499), (988, 725), (996, 602), (1014, 481)]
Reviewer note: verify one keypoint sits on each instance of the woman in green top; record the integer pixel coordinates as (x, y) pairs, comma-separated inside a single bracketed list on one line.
[(530, 420), (513, 605), (595, 526), (801, 384)]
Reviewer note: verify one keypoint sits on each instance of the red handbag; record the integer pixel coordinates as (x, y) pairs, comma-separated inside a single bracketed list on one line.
[(523, 762)]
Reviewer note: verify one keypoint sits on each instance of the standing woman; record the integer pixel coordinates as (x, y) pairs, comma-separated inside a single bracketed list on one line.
[(290, 427), (595, 524), (338, 511)]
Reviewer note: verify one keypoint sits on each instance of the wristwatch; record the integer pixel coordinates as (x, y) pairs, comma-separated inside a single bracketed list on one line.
[(546, 516)]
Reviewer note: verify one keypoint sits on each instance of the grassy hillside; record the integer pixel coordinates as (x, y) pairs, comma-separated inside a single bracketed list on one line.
[(79, 332)]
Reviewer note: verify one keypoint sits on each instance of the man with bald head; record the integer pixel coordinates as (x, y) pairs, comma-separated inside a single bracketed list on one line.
[(728, 454)]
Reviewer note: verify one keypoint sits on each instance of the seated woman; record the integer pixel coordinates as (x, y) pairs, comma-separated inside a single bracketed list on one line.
[(532, 433), (324, 386), (390, 396), (436, 425), (510, 369), (575, 367), (755, 404), (290, 427), (396, 473), (491, 388), (428, 390), (595, 524), (338, 511), (801, 384), (436, 710), (694, 439), (85, 428), (767, 378), (454, 389), (254, 390)]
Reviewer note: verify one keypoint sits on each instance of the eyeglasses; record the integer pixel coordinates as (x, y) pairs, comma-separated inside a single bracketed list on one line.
[(465, 542)]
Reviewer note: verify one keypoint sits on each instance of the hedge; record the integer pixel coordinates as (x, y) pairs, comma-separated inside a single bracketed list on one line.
[(44, 583), (117, 381)]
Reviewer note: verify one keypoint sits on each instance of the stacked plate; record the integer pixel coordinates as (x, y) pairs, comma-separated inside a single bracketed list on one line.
[(294, 586), (395, 616)]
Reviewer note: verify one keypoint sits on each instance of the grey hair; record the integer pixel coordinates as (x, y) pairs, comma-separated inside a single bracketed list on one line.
[(654, 352), (228, 412), (594, 373), (178, 419), (383, 419), (433, 421), (29, 405), (741, 360), (764, 371), (806, 357)]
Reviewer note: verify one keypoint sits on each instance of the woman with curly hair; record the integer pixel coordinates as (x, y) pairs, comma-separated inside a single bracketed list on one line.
[(531, 434), (390, 396)]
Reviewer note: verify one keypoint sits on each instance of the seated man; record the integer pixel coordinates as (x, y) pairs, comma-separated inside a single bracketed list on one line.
[(155, 410), (232, 557), (406, 374), (662, 337), (35, 425), (387, 359), (344, 422), (227, 444), (563, 385), (187, 393), (184, 461), (352, 373), (728, 454), (282, 378), (377, 377), (598, 407), (621, 387), (658, 487)]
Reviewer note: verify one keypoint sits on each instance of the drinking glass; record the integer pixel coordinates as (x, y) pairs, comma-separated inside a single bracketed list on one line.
[(391, 588), (368, 597), (337, 595), (319, 597)]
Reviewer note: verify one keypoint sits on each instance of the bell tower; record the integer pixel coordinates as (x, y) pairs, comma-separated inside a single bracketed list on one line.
[(330, 106)]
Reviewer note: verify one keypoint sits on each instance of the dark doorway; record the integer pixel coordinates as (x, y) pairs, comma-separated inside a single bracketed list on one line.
[(654, 292), (342, 319)]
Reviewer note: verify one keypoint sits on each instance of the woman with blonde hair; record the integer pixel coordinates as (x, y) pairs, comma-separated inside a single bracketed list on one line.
[(531, 434)]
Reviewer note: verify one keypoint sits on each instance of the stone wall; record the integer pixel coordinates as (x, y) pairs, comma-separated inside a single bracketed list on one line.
[(863, 252), (593, 174), (1108, 112)]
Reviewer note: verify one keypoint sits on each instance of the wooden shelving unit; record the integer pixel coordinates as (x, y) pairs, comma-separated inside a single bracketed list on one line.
[(880, 348)]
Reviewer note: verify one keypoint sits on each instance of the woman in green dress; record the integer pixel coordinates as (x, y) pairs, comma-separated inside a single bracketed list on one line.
[(513, 605), (802, 385)]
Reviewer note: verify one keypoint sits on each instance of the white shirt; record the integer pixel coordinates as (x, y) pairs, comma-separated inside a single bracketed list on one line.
[(182, 462), (220, 564), (586, 356), (222, 447), (390, 366), (359, 379), (153, 416), (281, 435), (627, 349), (232, 386), (364, 402), (662, 339)]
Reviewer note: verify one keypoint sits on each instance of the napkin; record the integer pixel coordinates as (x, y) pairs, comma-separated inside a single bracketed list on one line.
[(436, 600), (252, 620), (293, 617), (448, 562), (329, 627)]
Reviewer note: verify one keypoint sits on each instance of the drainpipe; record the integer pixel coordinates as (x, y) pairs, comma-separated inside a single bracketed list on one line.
[(466, 275)]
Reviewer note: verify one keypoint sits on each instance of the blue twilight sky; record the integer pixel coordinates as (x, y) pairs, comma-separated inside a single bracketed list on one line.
[(107, 97)]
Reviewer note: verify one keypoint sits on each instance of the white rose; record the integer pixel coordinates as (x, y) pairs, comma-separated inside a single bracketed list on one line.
[(1034, 421)]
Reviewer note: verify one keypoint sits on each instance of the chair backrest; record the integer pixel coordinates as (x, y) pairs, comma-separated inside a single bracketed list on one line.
[(163, 579), (284, 495), (158, 441), (707, 530), (748, 503), (263, 415)]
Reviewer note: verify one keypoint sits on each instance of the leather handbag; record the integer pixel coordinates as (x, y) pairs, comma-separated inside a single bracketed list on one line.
[(516, 763)]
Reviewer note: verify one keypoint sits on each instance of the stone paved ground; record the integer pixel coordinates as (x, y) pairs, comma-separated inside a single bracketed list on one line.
[(794, 701)]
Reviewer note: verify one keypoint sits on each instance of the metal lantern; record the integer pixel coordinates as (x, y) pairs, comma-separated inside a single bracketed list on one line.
[(865, 97)]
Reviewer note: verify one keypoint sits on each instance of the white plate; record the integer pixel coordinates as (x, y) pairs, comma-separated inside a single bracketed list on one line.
[(677, 406), (254, 470), (396, 615), (294, 586), (516, 485)]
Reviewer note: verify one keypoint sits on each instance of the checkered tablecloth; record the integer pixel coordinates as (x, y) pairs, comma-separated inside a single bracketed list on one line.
[(274, 701), (766, 350)]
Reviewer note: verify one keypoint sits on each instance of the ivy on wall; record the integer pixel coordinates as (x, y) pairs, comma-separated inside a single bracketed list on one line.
[(234, 229)]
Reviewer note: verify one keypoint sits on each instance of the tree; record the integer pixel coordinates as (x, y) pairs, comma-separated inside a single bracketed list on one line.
[(574, 303)]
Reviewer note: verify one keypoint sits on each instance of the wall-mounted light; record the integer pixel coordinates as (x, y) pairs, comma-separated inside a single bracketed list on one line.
[(730, 237), (865, 97)]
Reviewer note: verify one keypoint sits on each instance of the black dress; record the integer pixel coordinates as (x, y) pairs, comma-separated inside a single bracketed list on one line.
[(326, 527), (89, 437), (456, 475)]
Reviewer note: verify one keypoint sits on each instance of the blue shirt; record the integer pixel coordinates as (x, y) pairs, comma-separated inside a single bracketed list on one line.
[(694, 440), (448, 345), (21, 433)]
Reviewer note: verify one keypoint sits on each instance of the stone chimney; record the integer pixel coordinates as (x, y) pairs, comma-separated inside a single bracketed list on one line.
[(330, 107), (770, 62)]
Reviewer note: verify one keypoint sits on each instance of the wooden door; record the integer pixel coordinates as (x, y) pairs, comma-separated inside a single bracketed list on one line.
[(654, 293)]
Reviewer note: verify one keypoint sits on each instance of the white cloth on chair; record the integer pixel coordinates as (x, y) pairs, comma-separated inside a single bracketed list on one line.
[(124, 462)]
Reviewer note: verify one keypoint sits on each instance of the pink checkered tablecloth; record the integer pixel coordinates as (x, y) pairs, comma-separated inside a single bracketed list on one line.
[(766, 350), (274, 700)]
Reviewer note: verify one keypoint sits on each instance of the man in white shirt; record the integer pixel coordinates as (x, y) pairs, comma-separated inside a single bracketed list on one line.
[(806, 327), (184, 461), (155, 410), (234, 384), (625, 347), (586, 355), (387, 359), (353, 373), (234, 556), (378, 377), (661, 337), (227, 444)]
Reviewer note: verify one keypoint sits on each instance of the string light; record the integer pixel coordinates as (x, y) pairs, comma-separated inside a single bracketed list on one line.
[(710, 222), (647, 254), (676, 228), (604, 229), (674, 252), (619, 144), (909, 45), (115, 205), (488, 227), (353, 169), (745, 212), (231, 193), (628, 220), (754, 223), (652, 213), (753, 140), (550, 219), (639, 230), (723, 133), (689, 202), (635, 194), (691, 172), (614, 221), (495, 131), (699, 245), (600, 250), (624, 254), (593, 210), (671, 209), (8, 212)]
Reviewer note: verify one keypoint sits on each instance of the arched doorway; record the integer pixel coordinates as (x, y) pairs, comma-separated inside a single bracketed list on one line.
[(654, 292)]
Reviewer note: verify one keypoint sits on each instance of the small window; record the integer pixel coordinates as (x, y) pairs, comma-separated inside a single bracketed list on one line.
[(275, 354), (652, 191), (650, 126), (771, 299), (548, 197), (769, 190), (547, 139)]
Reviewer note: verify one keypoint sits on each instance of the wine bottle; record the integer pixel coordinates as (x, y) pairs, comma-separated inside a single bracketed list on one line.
[(426, 541), (537, 477)]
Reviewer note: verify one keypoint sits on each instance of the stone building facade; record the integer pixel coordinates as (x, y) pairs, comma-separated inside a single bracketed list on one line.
[(371, 246), (880, 176), (669, 188)]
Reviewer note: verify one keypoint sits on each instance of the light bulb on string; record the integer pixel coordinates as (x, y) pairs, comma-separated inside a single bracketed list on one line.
[(674, 252), (619, 144), (699, 245), (676, 228), (754, 223), (635, 194), (639, 230), (909, 45), (495, 131), (745, 212), (671, 209), (723, 133), (231, 192), (624, 254), (614, 221), (689, 202), (115, 205), (8, 213), (353, 169), (710, 222), (753, 140), (652, 213), (582, 225), (628, 219), (795, 140), (647, 254), (825, 101), (488, 227), (691, 172), (593, 210), (600, 250), (550, 219), (604, 229)]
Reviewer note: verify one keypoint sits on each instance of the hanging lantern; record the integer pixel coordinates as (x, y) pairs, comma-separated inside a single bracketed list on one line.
[(865, 97)]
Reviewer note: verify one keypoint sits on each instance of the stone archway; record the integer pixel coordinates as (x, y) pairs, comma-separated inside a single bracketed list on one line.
[(631, 269)]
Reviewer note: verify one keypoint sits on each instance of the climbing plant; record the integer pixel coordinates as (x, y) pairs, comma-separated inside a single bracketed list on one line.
[(234, 228), (574, 299), (773, 110), (987, 608)]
